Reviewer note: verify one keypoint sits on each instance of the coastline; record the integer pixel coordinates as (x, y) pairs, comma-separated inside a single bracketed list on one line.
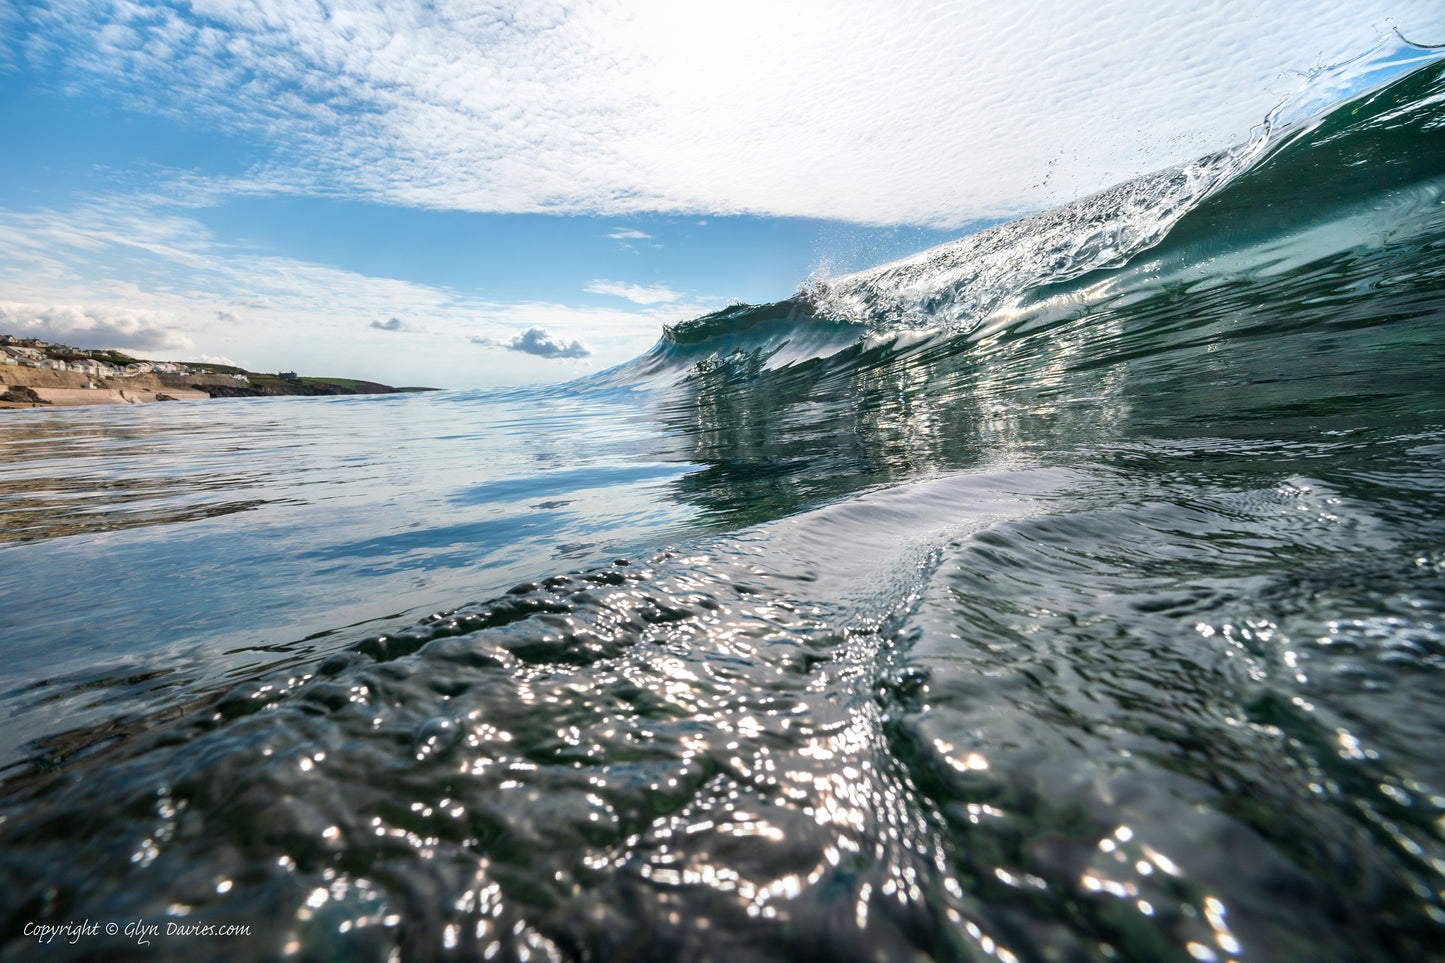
[(46, 379)]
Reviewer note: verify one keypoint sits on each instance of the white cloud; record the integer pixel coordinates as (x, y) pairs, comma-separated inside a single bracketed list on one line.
[(654, 294), (905, 112), (629, 234), (87, 326)]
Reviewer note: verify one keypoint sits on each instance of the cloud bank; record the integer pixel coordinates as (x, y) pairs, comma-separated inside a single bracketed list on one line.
[(850, 109)]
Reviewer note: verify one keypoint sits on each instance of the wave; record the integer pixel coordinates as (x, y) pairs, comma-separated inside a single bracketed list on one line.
[(1306, 164)]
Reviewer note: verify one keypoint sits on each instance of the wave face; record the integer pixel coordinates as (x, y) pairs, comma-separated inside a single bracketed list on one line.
[(1293, 172), (1072, 591)]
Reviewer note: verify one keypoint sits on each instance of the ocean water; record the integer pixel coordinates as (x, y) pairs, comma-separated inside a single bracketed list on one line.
[(1074, 591)]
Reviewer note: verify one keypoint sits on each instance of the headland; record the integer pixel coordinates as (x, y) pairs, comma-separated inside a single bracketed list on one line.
[(38, 374)]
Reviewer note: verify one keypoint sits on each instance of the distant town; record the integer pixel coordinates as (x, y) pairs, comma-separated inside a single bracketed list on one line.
[(36, 373)]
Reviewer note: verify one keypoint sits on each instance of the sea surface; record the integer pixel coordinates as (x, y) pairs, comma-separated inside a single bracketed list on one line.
[(1073, 591)]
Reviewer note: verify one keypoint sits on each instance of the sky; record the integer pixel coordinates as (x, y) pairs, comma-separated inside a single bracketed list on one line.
[(461, 193)]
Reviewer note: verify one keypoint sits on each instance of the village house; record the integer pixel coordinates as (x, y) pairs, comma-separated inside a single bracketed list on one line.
[(156, 367)]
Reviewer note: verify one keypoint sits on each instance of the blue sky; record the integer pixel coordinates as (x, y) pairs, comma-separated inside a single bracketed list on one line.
[(403, 190)]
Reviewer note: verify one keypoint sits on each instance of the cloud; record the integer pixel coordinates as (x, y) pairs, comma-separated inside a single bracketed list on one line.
[(636, 293), (540, 342), (629, 234), (90, 327), (599, 108), (392, 324), (227, 317)]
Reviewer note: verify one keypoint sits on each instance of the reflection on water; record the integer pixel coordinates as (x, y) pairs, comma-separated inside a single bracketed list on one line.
[(206, 541), (641, 756), (1127, 649)]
